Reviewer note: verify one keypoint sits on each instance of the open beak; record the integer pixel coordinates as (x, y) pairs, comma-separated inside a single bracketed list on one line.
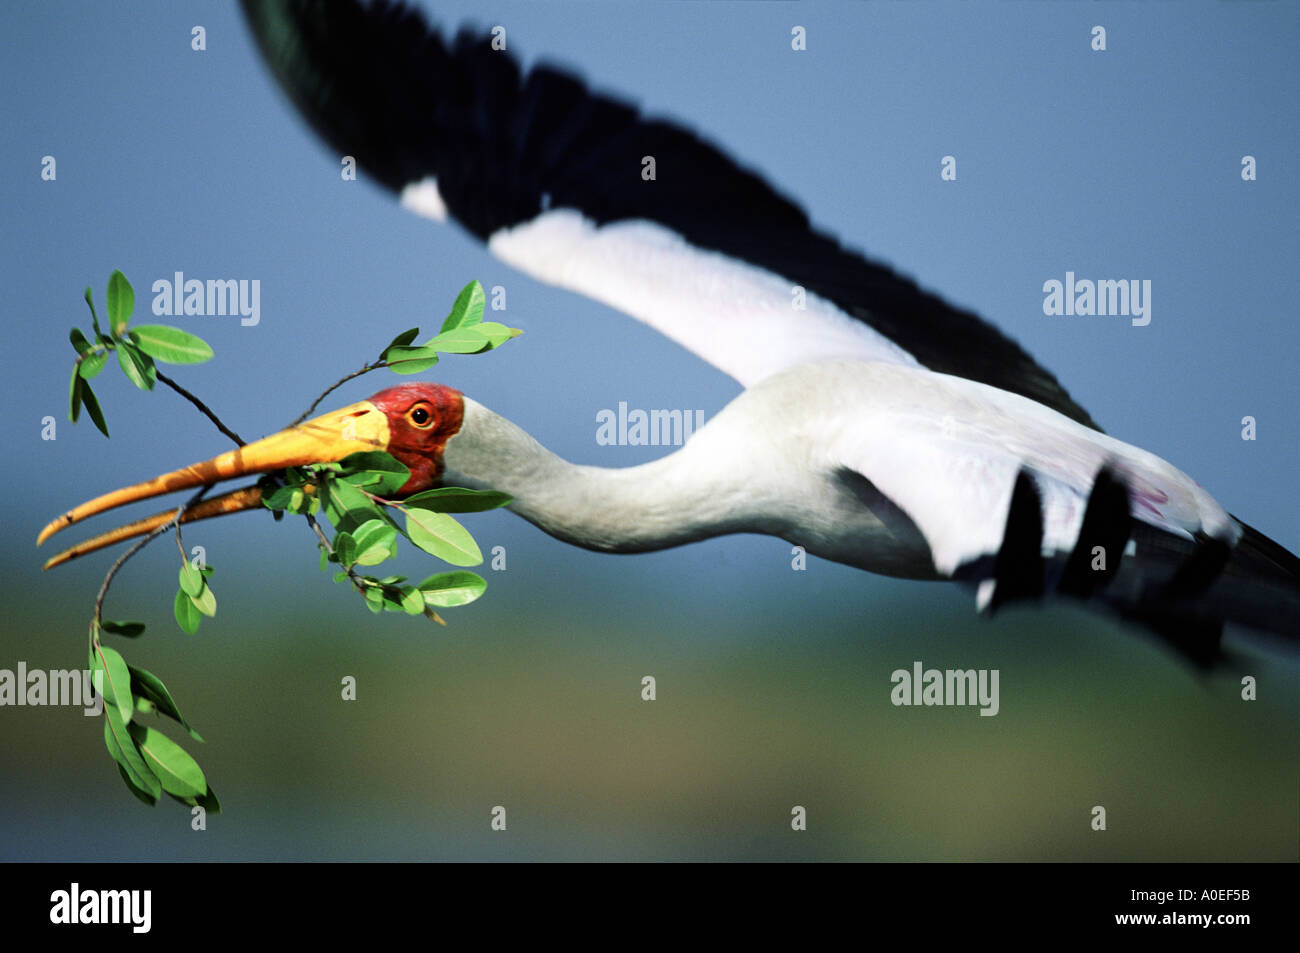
[(324, 439)]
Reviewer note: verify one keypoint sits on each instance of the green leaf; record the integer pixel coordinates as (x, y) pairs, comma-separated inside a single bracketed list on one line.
[(79, 342), (90, 365), (191, 579), (128, 629), (279, 498), (403, 339), (411, 360), (178, 773), (92, 408), (376, 540), (374, 599), (205, 602), (121, 302), (292, 498), (171, 345), (440, 535), (449, 589), (121, 746), (94, 318), (473, 338), (497, 334), (349, 507), (412, 600), (187, 613), (467, 309), (381, 473), (138, 367), (462, 340), (458, 499), (146, 684), (115, 680), (347, 498), (75, 390), (382, 483), (144, 796), (367, 460), (345, 548), (392, 599), (208, 801)]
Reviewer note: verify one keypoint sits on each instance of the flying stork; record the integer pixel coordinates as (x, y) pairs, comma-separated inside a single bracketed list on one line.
[(880, 427)]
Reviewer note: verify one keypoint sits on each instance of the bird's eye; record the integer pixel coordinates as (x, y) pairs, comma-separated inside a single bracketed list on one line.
[(421, 416)]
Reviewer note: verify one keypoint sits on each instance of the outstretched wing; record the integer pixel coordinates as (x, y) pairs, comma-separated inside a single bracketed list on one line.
[(549, 174), (948, 452), (1023, 504)]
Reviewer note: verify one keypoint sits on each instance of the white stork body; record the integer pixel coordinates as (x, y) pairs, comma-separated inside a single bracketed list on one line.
[(889, 468)]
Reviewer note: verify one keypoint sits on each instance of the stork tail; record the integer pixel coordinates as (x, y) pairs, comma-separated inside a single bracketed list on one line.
[(1181, 591)]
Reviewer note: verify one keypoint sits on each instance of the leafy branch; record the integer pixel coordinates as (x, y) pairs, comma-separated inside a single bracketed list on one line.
[(463, 332), (354, 495), (137, 349)]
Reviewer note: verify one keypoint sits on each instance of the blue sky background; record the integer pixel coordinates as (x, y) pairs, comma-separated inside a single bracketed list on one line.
[(1118, 164)]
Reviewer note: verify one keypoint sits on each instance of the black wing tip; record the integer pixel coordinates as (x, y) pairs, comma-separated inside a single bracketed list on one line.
[(1107, 526), (1019, 570), (1265, 555)]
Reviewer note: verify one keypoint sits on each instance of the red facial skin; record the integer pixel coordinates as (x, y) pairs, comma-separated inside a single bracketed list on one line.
[(412, 439)]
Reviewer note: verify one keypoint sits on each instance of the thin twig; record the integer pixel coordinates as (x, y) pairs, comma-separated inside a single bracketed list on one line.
[(335, 386), (145, 540), (180, 511), (329, 549), (202, 407), (320, 534), (352, 575)]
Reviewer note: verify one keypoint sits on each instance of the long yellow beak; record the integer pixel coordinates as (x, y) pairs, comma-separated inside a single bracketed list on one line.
[(324, 439)]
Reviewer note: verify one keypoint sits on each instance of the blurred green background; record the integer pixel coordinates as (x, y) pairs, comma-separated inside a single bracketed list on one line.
[(772, 692), (773, 685)]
